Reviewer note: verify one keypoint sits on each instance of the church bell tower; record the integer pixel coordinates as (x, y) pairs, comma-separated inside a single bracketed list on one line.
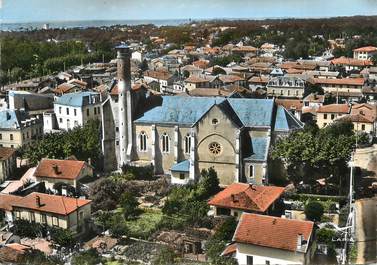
[(125, 104)]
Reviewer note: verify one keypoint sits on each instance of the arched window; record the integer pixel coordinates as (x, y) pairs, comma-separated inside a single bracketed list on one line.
[(165, 143), (187, 144), (143, 142), (251, 171)]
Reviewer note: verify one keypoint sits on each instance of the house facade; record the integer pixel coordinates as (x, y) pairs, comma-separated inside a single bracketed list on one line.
[(7, 163), (18, 128), (261, 239), (51, 210), (75, 109), (286, 87)]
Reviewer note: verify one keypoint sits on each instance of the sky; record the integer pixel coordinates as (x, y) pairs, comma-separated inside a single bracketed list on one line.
[(59, 10)]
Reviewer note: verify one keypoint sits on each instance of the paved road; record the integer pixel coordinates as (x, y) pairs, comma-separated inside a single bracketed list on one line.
[(366, 230)]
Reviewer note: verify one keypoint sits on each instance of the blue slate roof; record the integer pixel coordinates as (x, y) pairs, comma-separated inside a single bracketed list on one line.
[(179, 110), (75, 99), (11, 119), (253, 112), (183, 166), (286, 121), (189, 110), (260, 146)]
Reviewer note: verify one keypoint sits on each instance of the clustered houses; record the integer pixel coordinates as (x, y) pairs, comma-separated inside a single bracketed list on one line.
[(181, 116)]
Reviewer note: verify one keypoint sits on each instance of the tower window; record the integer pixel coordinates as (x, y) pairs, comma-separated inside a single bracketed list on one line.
[(165, 143), (187, 144), (251, 171), (143, 142)]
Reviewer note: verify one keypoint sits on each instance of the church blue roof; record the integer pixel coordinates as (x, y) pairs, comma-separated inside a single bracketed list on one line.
[(286, 121), (260, 146), (179, 110), (75, 99), (189, 110), (11, 119), (253, 112), (183, 166)]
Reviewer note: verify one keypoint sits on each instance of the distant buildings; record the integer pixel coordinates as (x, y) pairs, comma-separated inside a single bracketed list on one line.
[(364, 53)]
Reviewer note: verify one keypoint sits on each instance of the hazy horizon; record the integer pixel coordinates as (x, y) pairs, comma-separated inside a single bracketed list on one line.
[(26, 11)]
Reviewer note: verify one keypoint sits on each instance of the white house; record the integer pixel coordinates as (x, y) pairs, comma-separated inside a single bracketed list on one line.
[(364, 53), (262, 239), (76, 109), (137, 56)]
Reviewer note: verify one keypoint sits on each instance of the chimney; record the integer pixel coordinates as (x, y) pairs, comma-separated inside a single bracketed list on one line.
[(300, 241), (38, 201), (56, 169), (234, 198)]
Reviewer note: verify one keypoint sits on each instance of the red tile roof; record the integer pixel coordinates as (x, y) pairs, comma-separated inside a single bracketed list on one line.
[(158, 75), (350, 61), (334, 108), (6, 152), (272, 232), (229, 250), (357, 118), (60, 169), (366, 49), (289, 104), (247, 197), (341, 81), (50, 203), (6, 201)]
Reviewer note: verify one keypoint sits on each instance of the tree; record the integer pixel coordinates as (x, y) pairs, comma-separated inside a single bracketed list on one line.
[(129, 204), (62, 237), (144, 65), (313, 88), (218, 71), (105, 194), (310, 154), (88, 257), (165, 256), (118, 226), (313, 211), (209, 183)]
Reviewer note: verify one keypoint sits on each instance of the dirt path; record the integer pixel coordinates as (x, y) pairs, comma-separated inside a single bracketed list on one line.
[(365, 232)]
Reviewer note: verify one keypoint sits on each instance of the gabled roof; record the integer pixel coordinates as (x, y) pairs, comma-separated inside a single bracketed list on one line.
[(183, 166), (272, 232), (350, 61), (189, 110), (50, 203), (247, 197), (6, 201), (339, 81), (60, 169), (286, 121)]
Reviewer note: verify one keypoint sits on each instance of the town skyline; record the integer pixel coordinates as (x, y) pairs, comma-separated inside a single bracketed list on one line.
[(22, 11)]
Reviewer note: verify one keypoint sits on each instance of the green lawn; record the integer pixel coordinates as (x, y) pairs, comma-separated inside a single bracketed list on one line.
[(145, 224)]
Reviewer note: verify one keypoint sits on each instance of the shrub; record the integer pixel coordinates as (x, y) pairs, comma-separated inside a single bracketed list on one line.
[(88, 257), (313, 211), (129, 204)]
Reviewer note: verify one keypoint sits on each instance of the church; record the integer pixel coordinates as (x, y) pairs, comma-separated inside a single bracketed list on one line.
[(181, 135)]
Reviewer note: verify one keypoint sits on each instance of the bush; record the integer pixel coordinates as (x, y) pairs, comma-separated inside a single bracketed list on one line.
[(141, 173), (325, 235), (62, 237), (166, 256), (313, 211), (129, 204), (88, 257)]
